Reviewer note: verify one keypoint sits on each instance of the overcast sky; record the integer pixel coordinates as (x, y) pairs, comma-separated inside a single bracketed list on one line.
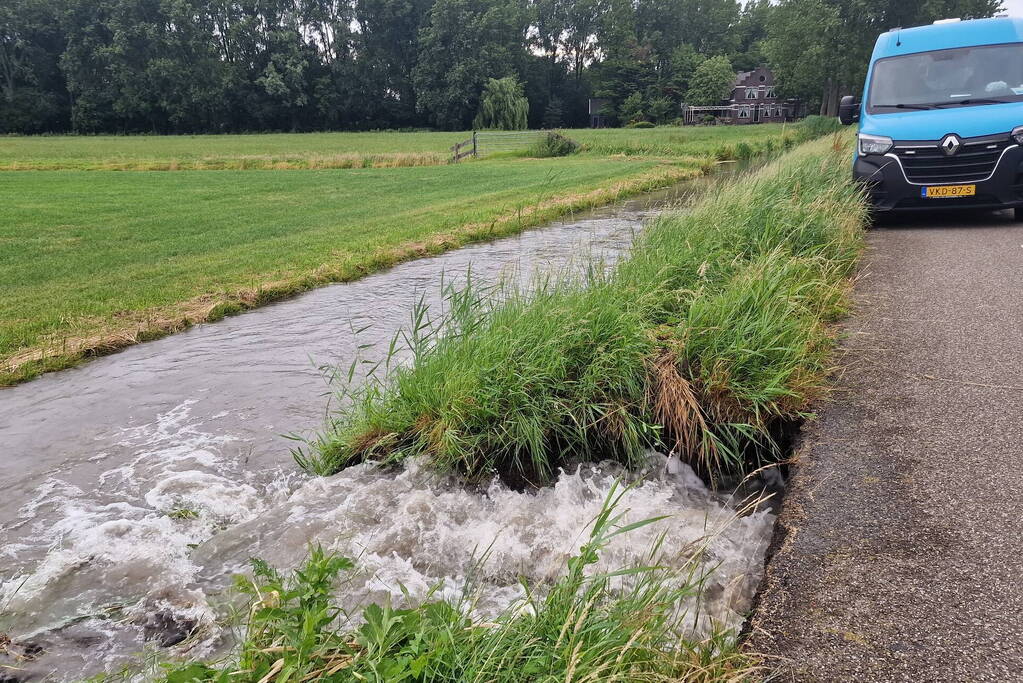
[(1013, 8)]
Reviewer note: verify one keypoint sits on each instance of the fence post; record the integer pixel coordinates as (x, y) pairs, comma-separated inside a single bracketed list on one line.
[(475, 149)]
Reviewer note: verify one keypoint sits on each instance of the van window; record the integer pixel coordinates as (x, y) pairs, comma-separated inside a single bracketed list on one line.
[(980, 75)]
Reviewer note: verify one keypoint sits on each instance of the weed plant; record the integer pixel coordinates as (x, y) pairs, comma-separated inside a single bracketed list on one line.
[(708, 337), (553, 145)]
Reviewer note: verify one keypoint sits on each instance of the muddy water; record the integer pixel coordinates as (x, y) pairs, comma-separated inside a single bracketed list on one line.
[(134, 486)]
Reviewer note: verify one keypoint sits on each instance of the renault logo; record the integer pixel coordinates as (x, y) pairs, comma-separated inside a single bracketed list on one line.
[(950, 144)]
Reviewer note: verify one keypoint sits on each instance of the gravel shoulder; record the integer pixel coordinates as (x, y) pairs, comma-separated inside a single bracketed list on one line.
[(899, 552)]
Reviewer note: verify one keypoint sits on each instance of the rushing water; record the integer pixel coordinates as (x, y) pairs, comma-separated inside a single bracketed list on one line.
[(135, 485)]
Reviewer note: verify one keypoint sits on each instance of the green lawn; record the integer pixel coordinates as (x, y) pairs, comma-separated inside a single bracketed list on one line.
[(332, 150), (77, 152), (90, 261)]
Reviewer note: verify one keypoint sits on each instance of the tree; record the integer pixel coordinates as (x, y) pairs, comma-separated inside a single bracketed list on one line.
[(711, 82), (820, 48), (387, 46), (632, 109), (553, 116), (33, 98), (464, 43), (579, 41), (751, 31), (503, 106), (660, 109), (707, 25)]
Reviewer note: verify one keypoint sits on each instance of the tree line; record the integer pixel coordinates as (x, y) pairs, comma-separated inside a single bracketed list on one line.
[(184, 66)]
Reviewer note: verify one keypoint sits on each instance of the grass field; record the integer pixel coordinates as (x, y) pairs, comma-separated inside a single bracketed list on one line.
[(93, 261), (283, 151), (106, 152)]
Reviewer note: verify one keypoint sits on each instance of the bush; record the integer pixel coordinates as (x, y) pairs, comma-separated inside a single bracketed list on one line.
[(553, 144), (707, 338), (641, 124)]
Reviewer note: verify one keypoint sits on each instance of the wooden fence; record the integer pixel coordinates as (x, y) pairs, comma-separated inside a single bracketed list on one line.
[(465, 149)]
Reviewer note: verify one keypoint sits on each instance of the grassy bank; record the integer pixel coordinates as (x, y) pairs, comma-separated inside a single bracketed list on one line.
[(708, 338), (96, 261), (625, 625)]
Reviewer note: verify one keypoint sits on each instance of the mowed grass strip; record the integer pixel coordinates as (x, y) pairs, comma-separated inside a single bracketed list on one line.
[(94, 261), (708, 338)]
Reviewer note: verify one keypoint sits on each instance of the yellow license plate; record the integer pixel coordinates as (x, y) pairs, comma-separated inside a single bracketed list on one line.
[(948, 191)]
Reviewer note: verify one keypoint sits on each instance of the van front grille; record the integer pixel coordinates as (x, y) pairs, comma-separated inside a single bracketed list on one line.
[(926, 162)]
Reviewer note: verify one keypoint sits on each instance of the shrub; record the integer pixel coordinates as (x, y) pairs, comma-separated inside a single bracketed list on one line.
[(553, 144), (641, 124)]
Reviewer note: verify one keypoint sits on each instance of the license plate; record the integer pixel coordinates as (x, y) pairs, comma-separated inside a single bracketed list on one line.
[(935, 191)]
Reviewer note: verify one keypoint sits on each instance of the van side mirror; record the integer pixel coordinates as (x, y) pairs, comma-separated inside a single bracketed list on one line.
[(849, 110)]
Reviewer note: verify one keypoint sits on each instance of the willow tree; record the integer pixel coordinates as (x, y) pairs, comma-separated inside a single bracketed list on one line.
[(503, 105)]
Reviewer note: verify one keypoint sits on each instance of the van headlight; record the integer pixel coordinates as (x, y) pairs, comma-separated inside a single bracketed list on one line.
[(1017, 135), (875, 144)]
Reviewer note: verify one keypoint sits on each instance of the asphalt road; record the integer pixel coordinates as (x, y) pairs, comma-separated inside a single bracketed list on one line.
[(899, 551)]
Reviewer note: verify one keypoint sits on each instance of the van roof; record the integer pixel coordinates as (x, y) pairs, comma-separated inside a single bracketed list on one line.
[(949, 35)]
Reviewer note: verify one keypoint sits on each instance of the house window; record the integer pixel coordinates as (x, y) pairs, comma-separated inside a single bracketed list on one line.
[(751, 93), (769, 92), (744, 112)]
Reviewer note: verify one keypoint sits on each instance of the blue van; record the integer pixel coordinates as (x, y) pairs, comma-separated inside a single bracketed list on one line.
[(941, 121)]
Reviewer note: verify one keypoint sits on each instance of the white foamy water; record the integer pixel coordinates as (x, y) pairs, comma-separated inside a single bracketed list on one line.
[(152, 558)]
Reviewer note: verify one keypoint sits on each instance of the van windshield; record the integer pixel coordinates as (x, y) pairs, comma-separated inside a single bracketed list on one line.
[(964, 76)]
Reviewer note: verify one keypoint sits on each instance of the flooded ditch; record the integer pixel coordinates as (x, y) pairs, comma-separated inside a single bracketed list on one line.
[(136, 485)]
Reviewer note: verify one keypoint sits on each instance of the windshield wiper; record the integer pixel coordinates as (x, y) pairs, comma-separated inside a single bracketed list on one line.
[(971, 100), (903, 106)]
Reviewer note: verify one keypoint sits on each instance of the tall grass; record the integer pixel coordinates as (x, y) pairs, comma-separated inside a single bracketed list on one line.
[(711, 335), (724, 143), (624, 625)]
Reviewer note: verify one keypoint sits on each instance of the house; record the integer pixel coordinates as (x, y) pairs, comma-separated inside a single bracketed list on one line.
[(598, 105), (752, 100)]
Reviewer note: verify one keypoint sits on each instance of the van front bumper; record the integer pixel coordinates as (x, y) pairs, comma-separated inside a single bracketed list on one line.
[(889, 190)]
